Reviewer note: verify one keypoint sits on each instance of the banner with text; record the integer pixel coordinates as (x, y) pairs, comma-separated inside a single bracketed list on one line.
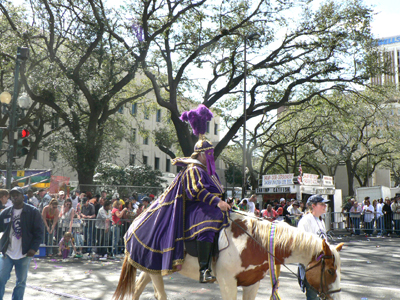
[(327, 180), (277, 179), (310, 179)]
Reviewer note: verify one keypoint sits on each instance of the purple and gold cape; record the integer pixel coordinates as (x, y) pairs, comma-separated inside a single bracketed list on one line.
[(155, 240)]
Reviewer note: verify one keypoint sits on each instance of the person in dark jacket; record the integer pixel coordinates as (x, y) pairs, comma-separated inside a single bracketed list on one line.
[(23, 230), (388, 215)]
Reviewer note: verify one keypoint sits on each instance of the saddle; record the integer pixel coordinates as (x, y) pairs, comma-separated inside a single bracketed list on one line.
[(191, 247)]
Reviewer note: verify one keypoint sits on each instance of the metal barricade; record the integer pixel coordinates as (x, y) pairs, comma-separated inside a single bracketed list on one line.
[(89, 235), (294, 220), (359, 223)]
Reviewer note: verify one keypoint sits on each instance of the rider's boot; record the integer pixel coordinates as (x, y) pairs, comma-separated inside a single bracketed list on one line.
[(204, 255)]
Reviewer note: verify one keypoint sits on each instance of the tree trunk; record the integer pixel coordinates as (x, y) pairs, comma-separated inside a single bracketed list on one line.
[(350, 177), (185, 138)]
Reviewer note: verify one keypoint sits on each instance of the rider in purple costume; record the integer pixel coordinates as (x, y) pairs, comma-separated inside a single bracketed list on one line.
[(190, 208)]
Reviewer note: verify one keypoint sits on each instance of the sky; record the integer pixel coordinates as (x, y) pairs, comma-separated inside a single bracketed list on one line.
[(385, 23), (386, 20)]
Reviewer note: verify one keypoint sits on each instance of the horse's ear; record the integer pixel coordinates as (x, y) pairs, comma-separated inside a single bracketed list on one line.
[(325, 248), (339, 247)]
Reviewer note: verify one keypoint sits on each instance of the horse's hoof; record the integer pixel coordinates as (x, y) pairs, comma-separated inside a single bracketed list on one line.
[(206, 277)]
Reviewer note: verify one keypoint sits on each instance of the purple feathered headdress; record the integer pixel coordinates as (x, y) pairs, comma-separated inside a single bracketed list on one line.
[(198, 119)]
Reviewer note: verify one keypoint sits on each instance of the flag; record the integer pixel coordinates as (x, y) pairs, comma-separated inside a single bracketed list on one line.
[(300, 177)]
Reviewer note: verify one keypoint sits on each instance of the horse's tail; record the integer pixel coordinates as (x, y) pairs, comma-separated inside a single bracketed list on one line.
[(127, 279)]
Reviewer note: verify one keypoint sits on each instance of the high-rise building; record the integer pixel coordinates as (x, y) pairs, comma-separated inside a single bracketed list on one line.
[(390, 55)]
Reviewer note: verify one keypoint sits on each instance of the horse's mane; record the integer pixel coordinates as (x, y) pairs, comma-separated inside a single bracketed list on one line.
[(286, 236)]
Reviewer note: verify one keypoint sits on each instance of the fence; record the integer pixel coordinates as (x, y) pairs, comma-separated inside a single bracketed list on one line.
[(366, 223), (94, 235)]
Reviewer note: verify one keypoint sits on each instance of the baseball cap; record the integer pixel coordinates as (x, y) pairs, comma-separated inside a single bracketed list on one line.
[(17, 189), (282, 199), (151, 196), (61, 193), (146, 199), (314, 199)]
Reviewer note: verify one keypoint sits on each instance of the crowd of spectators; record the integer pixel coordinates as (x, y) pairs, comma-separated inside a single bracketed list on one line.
[(82, 222), (290, 211), (381, 217)]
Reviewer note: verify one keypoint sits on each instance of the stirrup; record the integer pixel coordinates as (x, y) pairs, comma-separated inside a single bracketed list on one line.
[(206, 277)]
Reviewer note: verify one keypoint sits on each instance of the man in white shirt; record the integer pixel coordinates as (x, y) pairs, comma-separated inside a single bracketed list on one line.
[(251, 203), (32, 200), (23, 230), (379, 217)]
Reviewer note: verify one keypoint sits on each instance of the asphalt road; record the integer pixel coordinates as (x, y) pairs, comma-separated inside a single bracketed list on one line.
[(370, 270)]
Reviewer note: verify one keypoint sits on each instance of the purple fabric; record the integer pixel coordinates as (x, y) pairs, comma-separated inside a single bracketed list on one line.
[(65, 253), (206, 236), (210, 161), (155, 240), (198, 118)]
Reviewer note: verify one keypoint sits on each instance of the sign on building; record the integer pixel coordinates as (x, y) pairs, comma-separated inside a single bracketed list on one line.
[(277, 179), (327, 180), (310, 179)]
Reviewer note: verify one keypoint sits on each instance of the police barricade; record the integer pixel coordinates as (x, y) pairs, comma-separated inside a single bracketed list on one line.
[(88, 236), (294, 220), (102, 237), (364, 223)]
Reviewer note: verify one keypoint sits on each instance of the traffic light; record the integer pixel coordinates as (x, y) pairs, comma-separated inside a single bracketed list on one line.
[(23, 142)]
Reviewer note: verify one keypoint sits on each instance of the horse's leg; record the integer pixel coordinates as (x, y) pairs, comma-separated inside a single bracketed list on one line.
[(158, 284), (141, 283), (228, 288), (250, 292)]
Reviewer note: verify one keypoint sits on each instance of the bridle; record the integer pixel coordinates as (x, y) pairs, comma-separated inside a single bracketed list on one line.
[(321, 260)]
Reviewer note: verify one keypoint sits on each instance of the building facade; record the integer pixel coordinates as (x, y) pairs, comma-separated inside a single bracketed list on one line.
[(136, 149)]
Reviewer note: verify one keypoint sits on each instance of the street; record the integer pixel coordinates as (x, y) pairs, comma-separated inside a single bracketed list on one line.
[(370, 270)]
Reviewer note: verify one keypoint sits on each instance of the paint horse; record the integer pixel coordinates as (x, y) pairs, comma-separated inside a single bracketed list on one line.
[(243, 262)]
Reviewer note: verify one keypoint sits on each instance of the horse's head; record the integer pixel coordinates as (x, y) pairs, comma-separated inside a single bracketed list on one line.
[(323, 272)]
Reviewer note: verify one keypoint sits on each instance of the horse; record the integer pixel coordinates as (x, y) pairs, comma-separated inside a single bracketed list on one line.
[(243, 261)]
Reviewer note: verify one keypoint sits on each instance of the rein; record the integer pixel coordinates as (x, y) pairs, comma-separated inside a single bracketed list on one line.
[(320, 259)]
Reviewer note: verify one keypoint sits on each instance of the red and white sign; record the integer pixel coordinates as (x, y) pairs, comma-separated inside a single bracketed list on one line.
[(327, 180), (310, 179)]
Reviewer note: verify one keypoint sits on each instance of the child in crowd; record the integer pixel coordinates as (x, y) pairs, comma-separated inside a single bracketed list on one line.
[(65, 245)]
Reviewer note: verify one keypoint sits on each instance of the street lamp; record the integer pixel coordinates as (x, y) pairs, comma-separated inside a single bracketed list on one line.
[(5, 98), (24, 101), (250, 37)]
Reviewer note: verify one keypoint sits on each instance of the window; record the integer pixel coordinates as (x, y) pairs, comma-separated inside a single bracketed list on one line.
[(156, 163), (121, 110), (168, 165), (132, 159), (208, 127), (146, 113), (36, 122), (215, 129), (53, 156), (134, 109), (54, 121), (146, 140), (144, 159), (134, 135), (158, 117), (35, 155)]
